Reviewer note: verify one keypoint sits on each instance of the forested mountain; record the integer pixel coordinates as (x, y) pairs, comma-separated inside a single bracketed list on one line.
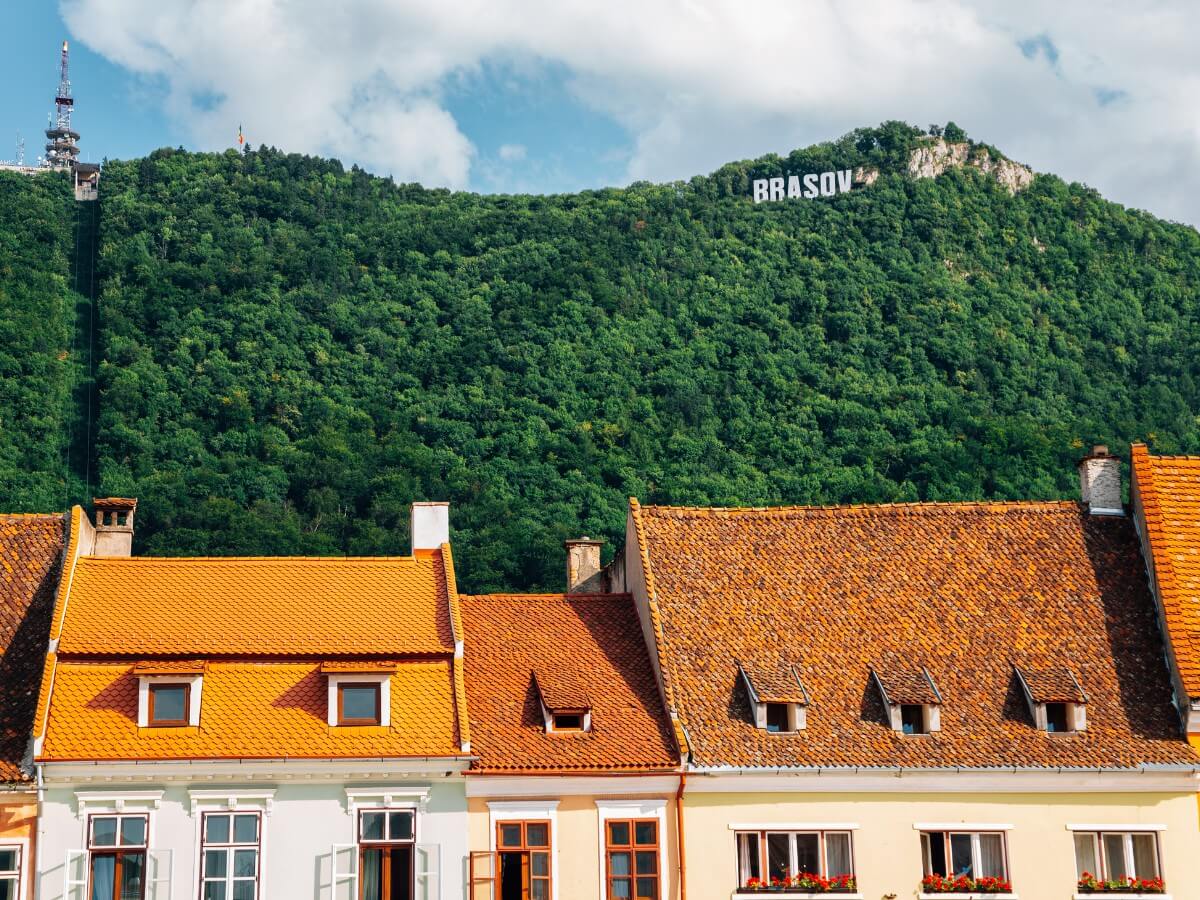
[(292, 352), (37, 307)]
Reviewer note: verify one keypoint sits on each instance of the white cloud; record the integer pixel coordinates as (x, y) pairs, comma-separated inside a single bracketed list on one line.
[(695, 82), (512, 152)]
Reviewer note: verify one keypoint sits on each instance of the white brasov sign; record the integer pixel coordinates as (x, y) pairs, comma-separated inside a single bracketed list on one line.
[(795, 187)]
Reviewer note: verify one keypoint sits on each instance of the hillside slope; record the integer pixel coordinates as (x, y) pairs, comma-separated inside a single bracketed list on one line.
[(293, 352)]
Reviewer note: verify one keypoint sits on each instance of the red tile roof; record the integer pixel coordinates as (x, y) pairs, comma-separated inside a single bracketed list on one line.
[(966, 590), (1168, 488), (1052, 685), (775, 682), (591, 640), (561, 690), (30, 555), (905, 685)]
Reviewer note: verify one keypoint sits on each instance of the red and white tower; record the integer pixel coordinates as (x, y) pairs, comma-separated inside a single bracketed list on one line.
[(62, 147)]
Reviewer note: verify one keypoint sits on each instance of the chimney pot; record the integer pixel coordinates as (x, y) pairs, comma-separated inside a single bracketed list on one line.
[(430, 526), (583, 566), (1100, 482), (114, 525)]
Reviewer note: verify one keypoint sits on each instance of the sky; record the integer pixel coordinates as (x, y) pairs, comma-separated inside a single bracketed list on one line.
[(561, 95)]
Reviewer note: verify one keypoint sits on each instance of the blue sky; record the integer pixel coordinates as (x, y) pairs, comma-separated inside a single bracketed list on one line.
[(555, 95)]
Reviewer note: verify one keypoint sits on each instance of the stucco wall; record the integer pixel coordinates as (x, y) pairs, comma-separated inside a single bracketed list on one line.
[(887, 848), (579, 843), (305, 821), (18, 826)]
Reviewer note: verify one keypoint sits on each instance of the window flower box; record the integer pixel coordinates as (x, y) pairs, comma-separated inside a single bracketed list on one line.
[(804, 883), (1090, 884), (962, 884)]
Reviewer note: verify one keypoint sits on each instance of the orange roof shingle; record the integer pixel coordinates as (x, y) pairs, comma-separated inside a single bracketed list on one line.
[(1169, 490), (965, 590), (905, 685), (774, 683), (277, 606), (30, 554), (581, 644), (249, 710), (1052, 685)]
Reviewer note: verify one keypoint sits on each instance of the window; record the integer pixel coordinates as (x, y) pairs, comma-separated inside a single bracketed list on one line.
[(230, 856), (975, 854), (777, 717), (523, 860), (912, 719), (169, 704), (568, 722), (1057, 718), (385, 853), (631, 851), (358, 703), (10, 872), (1114, 855), (117, 857), (766, 857)]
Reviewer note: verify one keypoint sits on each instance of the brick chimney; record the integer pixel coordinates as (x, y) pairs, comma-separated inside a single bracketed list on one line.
[(430, 526), (583, 566), (114, 525), (1100, 482)]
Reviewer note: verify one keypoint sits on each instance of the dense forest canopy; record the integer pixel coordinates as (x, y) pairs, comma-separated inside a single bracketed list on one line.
[(37, 307), (291, 352)]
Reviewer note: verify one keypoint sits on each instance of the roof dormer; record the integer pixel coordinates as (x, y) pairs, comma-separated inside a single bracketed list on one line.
[(777, 696), (169, 693), (360, 693), (911, 698), (1056, 699), (566, 706)]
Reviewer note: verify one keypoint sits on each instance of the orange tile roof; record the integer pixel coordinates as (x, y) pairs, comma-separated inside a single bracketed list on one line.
[(774, 683), (904, 684), (967, 590), (170, 667), (561, 690), (591, 639), (249, 710), (280, 606), (1168, 488), (1053, 685), (30, 554)]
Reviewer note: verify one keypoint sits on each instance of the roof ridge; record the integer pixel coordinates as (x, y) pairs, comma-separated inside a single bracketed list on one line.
[(917, 506), (49, 517), (304, 559), (508, 595)]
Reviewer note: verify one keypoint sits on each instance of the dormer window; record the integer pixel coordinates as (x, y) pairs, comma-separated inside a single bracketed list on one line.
[(169, 693), (360, 693), (911, 699), (1055, 698), (777, 696), (566, 707)]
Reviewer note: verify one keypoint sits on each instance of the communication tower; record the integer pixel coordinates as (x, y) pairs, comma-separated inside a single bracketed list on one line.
[(62, 147)]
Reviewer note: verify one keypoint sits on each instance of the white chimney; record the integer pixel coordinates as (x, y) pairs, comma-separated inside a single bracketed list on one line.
[(1100, 482), (114, 525), (583, 566), (430, 525)]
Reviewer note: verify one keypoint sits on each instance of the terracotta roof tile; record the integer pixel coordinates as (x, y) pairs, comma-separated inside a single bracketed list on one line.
[(249, 710), (30, 554), (1052, 685), (289, 606), (561, 689), (775, 682), (1169, 491), (965, 590), (571, 641), (169, 667), (904, 684)]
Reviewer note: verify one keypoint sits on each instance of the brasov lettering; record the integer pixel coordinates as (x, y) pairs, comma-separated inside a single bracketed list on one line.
[(795, 187)]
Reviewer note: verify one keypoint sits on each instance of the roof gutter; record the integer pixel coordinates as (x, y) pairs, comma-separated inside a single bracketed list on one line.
[(900, 771), (679, 836)]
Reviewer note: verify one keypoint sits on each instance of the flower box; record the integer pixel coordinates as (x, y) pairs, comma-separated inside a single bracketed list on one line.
[(961, 884), (1090, 884), (804, 883)]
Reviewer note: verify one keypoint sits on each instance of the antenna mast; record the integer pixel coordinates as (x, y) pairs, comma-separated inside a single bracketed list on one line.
[(62, 146)]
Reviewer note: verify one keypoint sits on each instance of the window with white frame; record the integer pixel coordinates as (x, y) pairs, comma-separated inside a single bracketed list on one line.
[(1117, 855), (230, 855), (10, 871), (780, 857), (973, 854)]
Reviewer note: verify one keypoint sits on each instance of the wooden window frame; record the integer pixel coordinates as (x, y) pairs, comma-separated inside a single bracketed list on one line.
[(152, 690), (527, 849), (373, 685), (632, 848), (118, 851), (1127, 847), (580, 714), (822, 851), (386, 842), (927, 836), (229, 847)]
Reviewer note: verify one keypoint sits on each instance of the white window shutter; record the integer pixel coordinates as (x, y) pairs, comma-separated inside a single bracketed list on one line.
[(75, 874), (427, 859), (158, 875), (344, 860)]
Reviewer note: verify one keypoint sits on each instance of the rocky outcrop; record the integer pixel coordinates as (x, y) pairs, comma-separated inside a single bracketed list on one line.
[(934, 157), (866, 176)]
